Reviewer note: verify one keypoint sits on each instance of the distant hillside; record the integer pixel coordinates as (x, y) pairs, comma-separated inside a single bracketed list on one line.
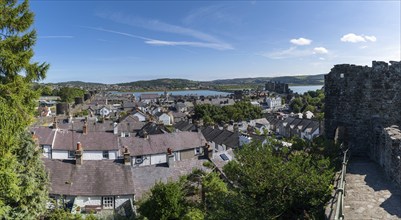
[(292, 80), (77, 83), (172, 83), (221, 83)]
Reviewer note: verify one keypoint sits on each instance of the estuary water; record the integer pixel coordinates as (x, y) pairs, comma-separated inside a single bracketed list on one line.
[(295, 89), (303, 89)]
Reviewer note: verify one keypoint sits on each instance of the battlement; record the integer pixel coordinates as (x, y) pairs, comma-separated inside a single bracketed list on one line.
[(359, 98)]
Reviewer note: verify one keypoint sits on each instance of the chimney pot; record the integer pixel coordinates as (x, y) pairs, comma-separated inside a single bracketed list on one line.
[(127, 156), (79, 154), (85, 128), (55, 123)]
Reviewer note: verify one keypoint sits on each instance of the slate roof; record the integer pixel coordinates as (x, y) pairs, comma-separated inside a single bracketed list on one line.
[(92, 178), (67, 140), (294, 123), (93, 126), (178, 114), (129, 104), (304, 123), (159, 143), (152, 128), (45, 135), (228, 138), (287, 121), (185, 126), (130, 124), (312, 127), (150, 96), (180, 105), (262, 121)]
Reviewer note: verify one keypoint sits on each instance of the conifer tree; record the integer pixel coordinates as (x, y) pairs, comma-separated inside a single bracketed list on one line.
[(23, 180)]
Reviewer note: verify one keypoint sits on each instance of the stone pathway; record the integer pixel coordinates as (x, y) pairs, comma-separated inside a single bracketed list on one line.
[(368, 193)]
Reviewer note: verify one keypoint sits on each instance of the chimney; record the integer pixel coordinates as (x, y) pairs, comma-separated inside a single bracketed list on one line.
[(208, 151), (145, 135), (127, 157), (115, 128), (79, 154), (55, 123), (85, 128), (170, 157), (225, 126), (235, 127), (69, 119)]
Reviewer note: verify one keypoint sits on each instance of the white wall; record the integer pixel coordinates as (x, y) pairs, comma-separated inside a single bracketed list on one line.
[(47, 151), (158, 158), (84, 201), (177, 156), (119, 200), (140, 117), (61, 154), (145, 161), (93, 155), (165, 119)]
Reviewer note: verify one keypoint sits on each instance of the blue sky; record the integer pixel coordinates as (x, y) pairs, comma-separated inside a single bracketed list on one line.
[(124, 41)]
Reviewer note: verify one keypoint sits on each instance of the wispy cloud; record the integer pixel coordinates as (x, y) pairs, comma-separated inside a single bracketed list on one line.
[(291, 52), (214, 13), (301, 41), (156, 42), (160, 26), (186, 43), (320, 50), (354, 38), (295, 52), (55, 36)]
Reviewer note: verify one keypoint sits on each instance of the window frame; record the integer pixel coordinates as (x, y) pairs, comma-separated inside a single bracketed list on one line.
[(71, 154), (105, 154), (108, 202)]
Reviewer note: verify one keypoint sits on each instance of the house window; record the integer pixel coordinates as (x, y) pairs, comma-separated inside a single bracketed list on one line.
[(108, 202), (71, 154), (105, 154), (138, 160)]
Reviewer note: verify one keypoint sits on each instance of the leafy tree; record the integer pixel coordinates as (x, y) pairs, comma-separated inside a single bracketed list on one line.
[(274, 181), (243, 110), (269, 181), (59, 213), (194, 214), (22, 181), (166, 201), (68, 94)]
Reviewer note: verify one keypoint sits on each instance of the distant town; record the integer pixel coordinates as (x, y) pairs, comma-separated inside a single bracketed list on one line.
[(163, 134)]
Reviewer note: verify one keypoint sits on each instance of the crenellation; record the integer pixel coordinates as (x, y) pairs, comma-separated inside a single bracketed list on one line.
[(365, 104)]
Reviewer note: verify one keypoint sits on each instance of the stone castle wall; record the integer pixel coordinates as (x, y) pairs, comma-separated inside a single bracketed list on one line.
[(361, 99)]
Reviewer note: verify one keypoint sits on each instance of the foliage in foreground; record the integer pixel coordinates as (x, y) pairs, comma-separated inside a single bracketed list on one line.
[(265, 182), (23, 180)]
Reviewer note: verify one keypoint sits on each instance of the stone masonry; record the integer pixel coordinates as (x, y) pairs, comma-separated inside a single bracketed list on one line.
[(363, 110)]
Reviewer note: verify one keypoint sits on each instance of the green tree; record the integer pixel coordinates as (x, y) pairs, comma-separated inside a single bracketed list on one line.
[(67, 94), (17, 104), (59, 213), (194, 214), (166, 201), (270, 181)]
